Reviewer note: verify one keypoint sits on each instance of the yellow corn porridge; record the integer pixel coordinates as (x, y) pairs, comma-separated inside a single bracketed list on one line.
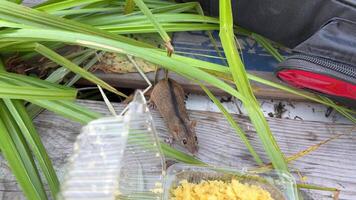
[(219, 190)]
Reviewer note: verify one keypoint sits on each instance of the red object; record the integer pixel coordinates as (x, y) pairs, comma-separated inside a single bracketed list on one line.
[(318, 82)]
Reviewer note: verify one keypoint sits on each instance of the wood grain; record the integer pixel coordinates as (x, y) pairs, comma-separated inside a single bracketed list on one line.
[(333, 165)]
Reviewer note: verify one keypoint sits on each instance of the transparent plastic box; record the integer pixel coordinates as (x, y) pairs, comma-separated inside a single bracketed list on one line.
[(280, 185), (116, 158)]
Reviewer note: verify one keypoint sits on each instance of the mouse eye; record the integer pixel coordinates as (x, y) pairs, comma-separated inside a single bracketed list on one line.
[(184, 141), (196, 139)]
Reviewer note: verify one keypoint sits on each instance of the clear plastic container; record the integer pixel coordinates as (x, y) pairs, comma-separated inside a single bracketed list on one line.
[(280, 185), (116, 158)]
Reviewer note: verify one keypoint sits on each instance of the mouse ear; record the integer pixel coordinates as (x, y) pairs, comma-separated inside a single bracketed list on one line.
[(193, 123)]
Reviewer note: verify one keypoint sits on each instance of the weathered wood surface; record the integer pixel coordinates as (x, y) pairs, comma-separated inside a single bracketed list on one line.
[(134, 80), (333, 165)]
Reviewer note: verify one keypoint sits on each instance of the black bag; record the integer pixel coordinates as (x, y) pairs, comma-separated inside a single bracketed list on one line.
[(322, 34)]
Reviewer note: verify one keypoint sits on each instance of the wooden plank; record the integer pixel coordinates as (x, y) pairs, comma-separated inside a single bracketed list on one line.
[(134, 80), (333, 165)]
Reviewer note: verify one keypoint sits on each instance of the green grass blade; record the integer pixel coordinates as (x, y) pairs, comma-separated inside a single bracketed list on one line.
[(58, 75), (67, 109), (85, 11), (18, 79), (234, 125), (173, 18), (317, 187), (62, 5), (24, 15), (6, 24), (179, 156), (87, 66), (156, 24), (60, 60), (27, 93), (16, 152), (33, 88), (27, 128), (105, 19), (339, 109), (169, 27), (16, 1), (268, 46), (239, 75)]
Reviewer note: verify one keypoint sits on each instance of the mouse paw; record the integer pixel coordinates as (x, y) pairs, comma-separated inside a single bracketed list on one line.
[(128, 99), (151, 105), (169, 141)]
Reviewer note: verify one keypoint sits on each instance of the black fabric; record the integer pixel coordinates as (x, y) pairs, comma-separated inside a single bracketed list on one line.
[(336, 40), (288, 22)]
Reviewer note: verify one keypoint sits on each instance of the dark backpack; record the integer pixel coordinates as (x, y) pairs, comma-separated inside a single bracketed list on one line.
[(322, 34)]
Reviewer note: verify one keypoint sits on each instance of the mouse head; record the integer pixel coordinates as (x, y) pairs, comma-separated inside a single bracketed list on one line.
[(186, 136)]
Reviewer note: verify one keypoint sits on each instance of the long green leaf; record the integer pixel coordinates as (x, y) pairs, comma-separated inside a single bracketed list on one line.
[(33, 93), (20, 116), (339, 109), (157, 25), (68, 109), (233, 124), (87, 66), (268, 46), (58, 75), (62, 5), (105, 19), (60, 60), (27, 128), (16, 152), (18, 79), (159, 18), (178, 155), (239, 75), (24, 15), (85, 11), (16, 1), (169, 27)]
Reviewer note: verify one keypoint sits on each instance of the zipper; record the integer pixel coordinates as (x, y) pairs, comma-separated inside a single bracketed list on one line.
[(345, 69)]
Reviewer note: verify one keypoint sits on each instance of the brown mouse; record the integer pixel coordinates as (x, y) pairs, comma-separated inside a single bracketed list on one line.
[(168, 97)]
